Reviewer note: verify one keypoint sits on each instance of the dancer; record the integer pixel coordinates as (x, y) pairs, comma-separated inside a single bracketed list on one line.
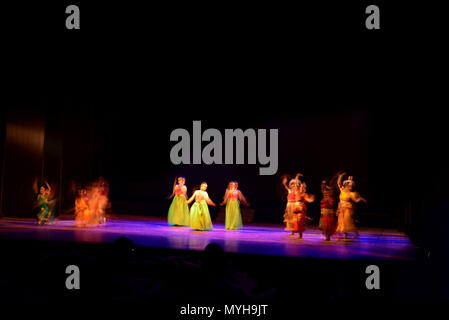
[(178, 213), (345, 209), (296, 211), (232, 199), (199, 212), (45, 203), (328, 218), (292, 202), (81, 208), (300, 213)]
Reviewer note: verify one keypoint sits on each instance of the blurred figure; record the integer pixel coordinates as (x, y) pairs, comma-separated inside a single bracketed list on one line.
[(232, 199), (345, 209), (178, 213), (199, 212), (81, 208), (91, 204)]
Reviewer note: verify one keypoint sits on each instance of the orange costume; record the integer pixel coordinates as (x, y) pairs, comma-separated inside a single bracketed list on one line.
[(301, 213), (295, 213), (81, 211)]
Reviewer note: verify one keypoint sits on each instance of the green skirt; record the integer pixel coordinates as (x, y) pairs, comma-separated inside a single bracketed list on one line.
[(233, 215), (200, 217), (178, 213), (46, 214)]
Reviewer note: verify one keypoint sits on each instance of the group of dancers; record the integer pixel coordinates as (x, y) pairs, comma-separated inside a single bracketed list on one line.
[(198, 216), (337, 210), (336, 216), (90, 203)]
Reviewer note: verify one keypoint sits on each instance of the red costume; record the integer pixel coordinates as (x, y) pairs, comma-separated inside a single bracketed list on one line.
[(300, 213), (328, 218)]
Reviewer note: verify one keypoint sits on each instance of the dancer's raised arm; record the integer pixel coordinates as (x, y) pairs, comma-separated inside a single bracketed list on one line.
[(35, 186), (173, 190), (284, 183), (48, 186), (340, 177)]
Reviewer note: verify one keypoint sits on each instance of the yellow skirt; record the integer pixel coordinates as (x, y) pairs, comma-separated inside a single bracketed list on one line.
[(346, 220)]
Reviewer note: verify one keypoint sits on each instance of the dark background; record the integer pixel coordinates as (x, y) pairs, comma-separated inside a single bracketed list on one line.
[(106, 98)]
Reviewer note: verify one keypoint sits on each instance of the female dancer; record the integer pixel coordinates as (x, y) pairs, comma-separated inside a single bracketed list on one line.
[(300, 213), (328, 218), (292, 202), (232, 198), (178, 213), (46, 212), (199, 212), (81, 208), (345, 209), (296, 210)]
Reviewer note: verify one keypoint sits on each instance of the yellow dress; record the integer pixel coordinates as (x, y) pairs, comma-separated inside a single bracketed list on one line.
[(199, 213), (345, 211), (178, 213)]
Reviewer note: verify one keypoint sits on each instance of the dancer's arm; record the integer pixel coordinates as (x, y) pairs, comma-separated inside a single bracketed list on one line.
[(192, 197), (310, 198), (340, 177), (173, 192), (48, 187), (284, 183), (243, 199), (357, 198), (35, 187), (209, 201), (298, 182), (225, 198)]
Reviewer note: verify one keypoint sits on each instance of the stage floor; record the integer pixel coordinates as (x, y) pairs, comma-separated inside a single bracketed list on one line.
[(377, 244)]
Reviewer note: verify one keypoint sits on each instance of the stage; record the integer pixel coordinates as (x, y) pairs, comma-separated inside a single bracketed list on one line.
[(372, 244)]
